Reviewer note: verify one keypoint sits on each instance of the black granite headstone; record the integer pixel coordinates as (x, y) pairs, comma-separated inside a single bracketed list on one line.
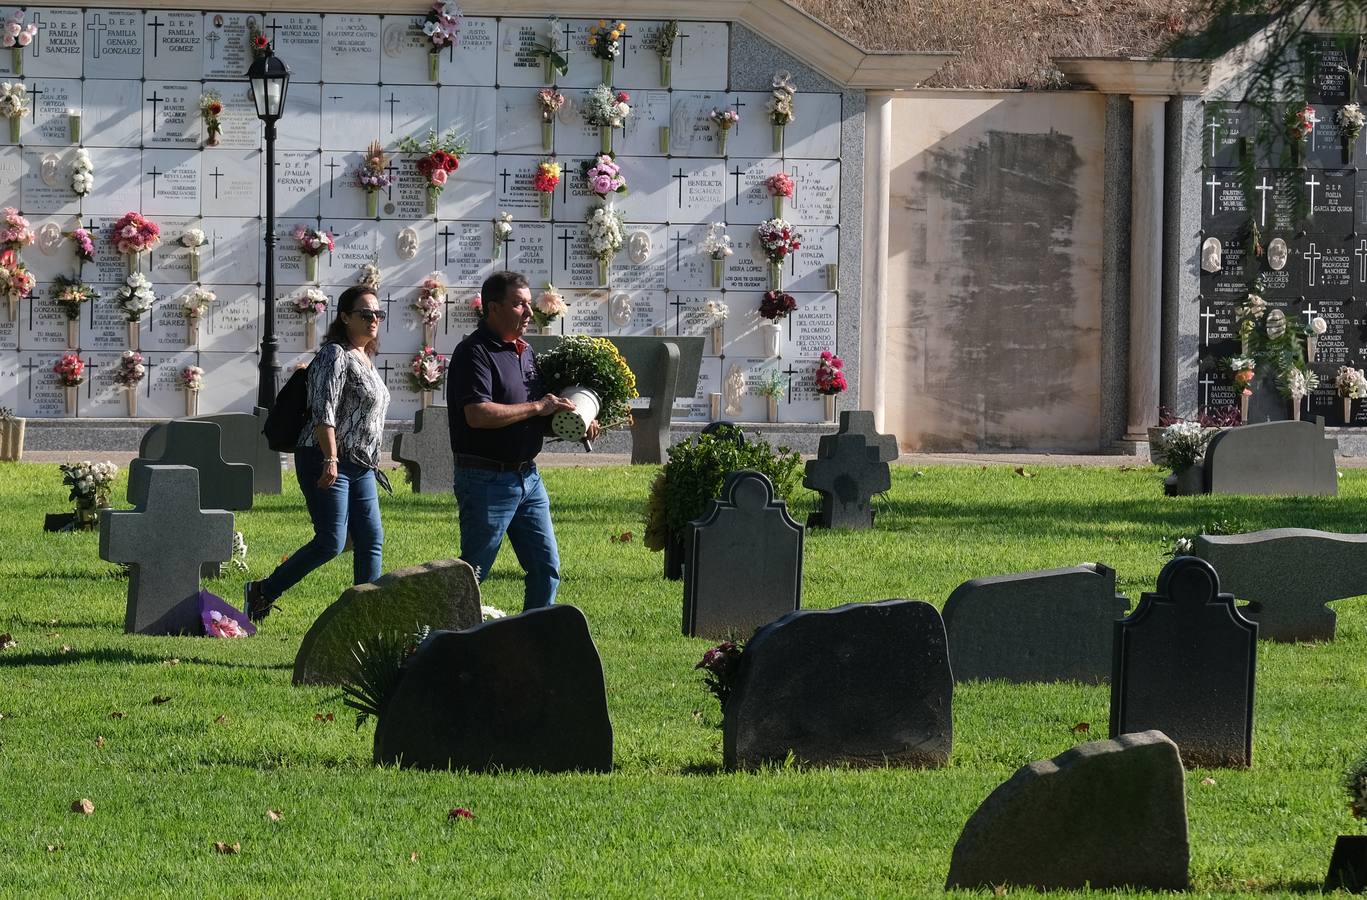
[(521, 692), (223, 485), (867, 684), (242, 441), (860, 421), (744, 568), (1054, 625), (846, 473), (1184, 665), (1273, 458)]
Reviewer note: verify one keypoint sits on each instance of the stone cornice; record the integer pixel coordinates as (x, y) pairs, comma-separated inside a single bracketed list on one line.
[(1111, 75)]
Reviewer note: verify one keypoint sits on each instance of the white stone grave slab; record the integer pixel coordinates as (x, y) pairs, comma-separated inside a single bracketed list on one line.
[(573, 199), (804, 403), (471, 111), (112, 115), (393, 247), (351, 50), (742, 329), (461, 318), (233, 252), (169, 262), (56, 53), (231, 181), (296, 183), (233, 320), (691, 130), (37, 392), (355, 244), (747, 199), (165, 330), (587, 312), (702, 56), (42, 324), (170, 114), (530, 254), (339, 195), (404, 402), (302, 126), (753, 135), (699, 190), (575, 137), (472, 60), (173, 45), (573, 265), (816, 196), (103, 326), (291, 325), (109, 267), (118, 180), (113, 44), (11, 168), (47, 260), (298, 39), (649, 187), (49, 99), (463, 252), (513, 186), (518, 65), (815, 133), (160, 394), (170, 183), (650, 112), (226, 38), (686, 315), (633, 312), (747, 269), (49, 164), (402, 331), (806, 270), (640, 265), (404, 49), (811, 327), (687, 266), (242, 130), (9, 378), (469, 192), (100, 396), (230, 381), (290, 266), (586, 70), (408, 110), (697, 408), (517, 121)]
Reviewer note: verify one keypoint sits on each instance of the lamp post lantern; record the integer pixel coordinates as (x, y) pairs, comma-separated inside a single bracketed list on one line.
[(269, 78)]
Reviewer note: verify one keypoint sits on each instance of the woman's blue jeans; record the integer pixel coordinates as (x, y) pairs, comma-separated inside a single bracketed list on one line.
[(351, 505), (494, 503)]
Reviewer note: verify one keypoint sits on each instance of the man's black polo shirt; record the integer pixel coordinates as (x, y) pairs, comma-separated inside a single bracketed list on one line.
[(485, 369)]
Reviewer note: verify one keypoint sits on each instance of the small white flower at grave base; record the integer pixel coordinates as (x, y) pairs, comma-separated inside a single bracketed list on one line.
[(1318, 325), (491, 612)]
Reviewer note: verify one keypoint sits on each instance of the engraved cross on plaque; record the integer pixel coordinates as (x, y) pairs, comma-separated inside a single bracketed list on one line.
[(1309, 312), (678, 303), (565, 239), (151, 367), (154, 100), (156, 24), (1205, 325), (1361, 254), (738, 103), (1312, 184), (154, 173), (678, 239), (790, 372), (505, 174), (36, 18), (97, 28), (393, 172), (1212, 184), (215, 175), (332, 167), (272, 28), (682, 178), (737, 173), (446, 234), (1214, 127), (212, 38), (34, 92), (30, 365), (1207, 383), (1311, 256), (683, 57), (392, 101), (90, 378), (1262, 190)]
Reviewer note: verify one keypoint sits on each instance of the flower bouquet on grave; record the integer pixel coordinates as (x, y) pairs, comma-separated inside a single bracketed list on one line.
[(604, 177), (545, 181), (16, 233), (17, 35), (257, 41), (780, 187), (1350, 120), (1248, 317), (554, 53), (780, 106), (427, 373), (605, 42), (128, 374), (192, 379), (547, 308), (830, 380), (84, 242), (70, 371), (16, 281), (1184, 446), (310, 303), (135, 297), (503, 233), (550, 102), (372, 177), (1299, 123), (663, 45), (91, 485), (1317, 327), (1295, 383), (477, 305), (778, 239), (606, 226), (770, 386), (717, 244), (608, 110), (11, 435), (312, 243), (719, 667), (192, 239), (715, 313), (774, 308), (725, 120), (442, 28), (1350, 384), (591, 373), (82, 173), (1243, 372), (430, 304), (14, 106), (71, 294), (369, 276), (439, 156), (196, 305), (222, 625), (133, 234), (211, 111)]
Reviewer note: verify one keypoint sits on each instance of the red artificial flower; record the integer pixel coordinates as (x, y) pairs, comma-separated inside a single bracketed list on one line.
[(460, 812), (623, 97), (426, 166), (449, 162), (545, 183), (261, 42), (215, 109)]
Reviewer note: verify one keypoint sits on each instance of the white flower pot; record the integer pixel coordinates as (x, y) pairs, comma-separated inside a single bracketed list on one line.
[(132, 397), (830, 406), (768, 332), (1347, 410), (191, 403), (574, 426), (771, 408), (71, 401), (425, 397)]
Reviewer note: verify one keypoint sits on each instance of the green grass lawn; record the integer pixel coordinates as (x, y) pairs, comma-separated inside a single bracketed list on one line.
[(236, 740)]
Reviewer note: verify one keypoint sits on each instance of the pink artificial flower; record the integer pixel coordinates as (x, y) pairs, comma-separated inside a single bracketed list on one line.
[(439, 177), (623, 97)]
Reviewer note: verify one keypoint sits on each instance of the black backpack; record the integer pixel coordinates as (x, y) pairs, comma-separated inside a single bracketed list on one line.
[(290, 414)]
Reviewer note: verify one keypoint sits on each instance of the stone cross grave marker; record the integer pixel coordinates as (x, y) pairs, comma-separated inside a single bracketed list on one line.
[(521, 692), (1273, 458), (847, 473), (223, 485), (1104, 814), (241, 442), (1053, 625), (745, 565), (441, 594), (860, 421), (1271, 570), (1184, 664), (866, 684), (426, 453), (165, 538)]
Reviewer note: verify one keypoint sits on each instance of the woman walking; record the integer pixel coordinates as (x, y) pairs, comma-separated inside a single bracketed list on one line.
[(339, 453)]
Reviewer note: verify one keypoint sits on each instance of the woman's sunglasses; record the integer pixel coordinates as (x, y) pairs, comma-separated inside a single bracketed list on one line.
[(371, 315)]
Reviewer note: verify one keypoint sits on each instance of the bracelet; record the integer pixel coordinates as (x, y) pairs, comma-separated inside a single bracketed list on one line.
[(329, 459)]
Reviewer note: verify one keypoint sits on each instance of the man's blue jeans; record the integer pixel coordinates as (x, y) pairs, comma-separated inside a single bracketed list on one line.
[(494, 503), (350, 505)]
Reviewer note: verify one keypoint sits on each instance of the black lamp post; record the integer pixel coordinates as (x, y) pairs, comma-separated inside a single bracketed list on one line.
[(269, 77)]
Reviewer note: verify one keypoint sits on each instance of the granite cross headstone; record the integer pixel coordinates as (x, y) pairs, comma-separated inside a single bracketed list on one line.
[(521, 692), (847, 473), (441, 594), (1104, 814), (1053, 625), (165, 538), (1273, 458), (426, 453), (744, 568), (1287, 575), (1184, 664), (223, 485), (242, 442), (867, 684), (860, 421)]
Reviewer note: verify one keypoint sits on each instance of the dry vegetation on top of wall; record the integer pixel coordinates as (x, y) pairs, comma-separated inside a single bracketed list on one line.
[(1005, 43)]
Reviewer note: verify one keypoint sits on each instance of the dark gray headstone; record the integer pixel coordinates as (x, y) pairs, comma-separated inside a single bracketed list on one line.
[(846, 473), (1273, 458), (222, 485), (426, 453), (1287, 575), (165, 539), (522, 692), (1054, 625), (860, 421), (441, 594), (1184, 664), (1104, 814), (866, 684), (744, 568), (242, 442)]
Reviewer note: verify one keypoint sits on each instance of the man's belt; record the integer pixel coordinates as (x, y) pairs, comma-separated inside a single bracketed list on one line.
[(467, 461)]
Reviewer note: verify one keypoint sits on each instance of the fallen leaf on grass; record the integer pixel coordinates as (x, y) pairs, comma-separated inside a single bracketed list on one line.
[(1020, 470), (221, 720), (53, 848), (116, 715), (919, 473), (1082, 728), (227, 849), (54, 634), (1207, 780), (998, 890), (697, 715), (273, 815), (460, 812), (99, 742), (7, 641), (172, 662), (623, 538), (66, 648), (83, 806), (158, 700), (319, 717), (413, 857)]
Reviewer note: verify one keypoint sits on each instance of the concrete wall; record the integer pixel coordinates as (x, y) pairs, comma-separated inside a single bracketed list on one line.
[(994, 302)]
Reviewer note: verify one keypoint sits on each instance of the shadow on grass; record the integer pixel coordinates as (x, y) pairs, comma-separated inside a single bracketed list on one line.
[(76, 657), (704, 769), (1292, 887)]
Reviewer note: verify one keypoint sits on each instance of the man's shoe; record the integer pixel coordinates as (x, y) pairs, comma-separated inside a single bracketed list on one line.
[(254, 603)]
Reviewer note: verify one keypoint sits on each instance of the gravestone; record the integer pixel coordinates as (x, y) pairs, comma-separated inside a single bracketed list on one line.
[(441, 594), (426, 453), (1287, 575), (860, 421), (866, 684), (521, 692), (1104, 814), (1273, 458), (1184, 664), (165, 538), (222, 485), (241, 442), (744, 567), (847, 473), (1053, 625)]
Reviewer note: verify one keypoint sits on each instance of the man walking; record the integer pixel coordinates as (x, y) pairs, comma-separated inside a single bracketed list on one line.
[(498, 420)]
